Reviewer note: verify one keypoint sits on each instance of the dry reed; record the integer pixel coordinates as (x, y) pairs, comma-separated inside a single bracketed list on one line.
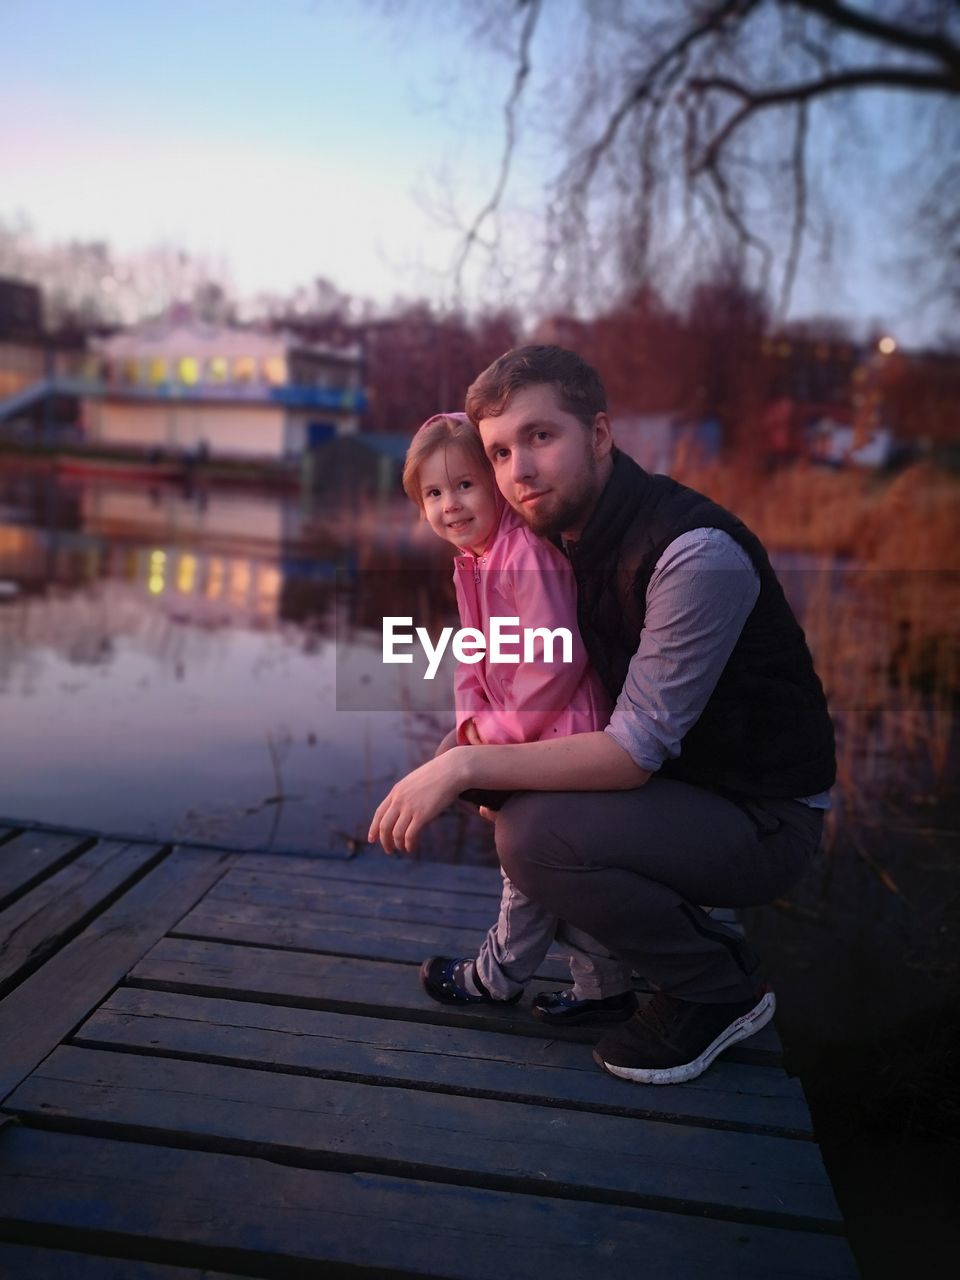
[(882, 614)]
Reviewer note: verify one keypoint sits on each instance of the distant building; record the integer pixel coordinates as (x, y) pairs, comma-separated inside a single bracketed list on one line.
[(21, 311), (662, 441), (808, 370), (839, 444), (183, 387), (21, 336)]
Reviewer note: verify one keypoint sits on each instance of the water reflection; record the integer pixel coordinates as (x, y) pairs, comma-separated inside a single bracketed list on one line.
[(168, 665), (208, 664)]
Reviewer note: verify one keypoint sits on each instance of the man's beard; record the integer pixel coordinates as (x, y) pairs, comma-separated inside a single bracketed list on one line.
[(564, 514), (561, 514)]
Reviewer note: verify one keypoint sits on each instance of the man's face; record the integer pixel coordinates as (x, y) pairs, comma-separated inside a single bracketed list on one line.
[(549, 466)]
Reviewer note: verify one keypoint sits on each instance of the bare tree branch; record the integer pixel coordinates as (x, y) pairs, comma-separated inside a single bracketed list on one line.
[(893, 34), (799, 206), (736, 220), (648, 87), (533, 8), (842, 82), (661, 118)]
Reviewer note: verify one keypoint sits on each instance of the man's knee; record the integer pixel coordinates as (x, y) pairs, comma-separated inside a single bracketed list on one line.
[(527, 842)]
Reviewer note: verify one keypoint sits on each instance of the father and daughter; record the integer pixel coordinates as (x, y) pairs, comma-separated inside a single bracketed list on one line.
[(505, 570)]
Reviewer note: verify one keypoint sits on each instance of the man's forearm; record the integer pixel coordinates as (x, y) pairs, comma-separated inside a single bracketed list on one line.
[(583, 762), (580, 762)]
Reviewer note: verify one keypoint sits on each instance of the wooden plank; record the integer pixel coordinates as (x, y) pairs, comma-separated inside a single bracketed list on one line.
[(27, 859), (415, 1133), (457, 1059), (373, 866), (383, 989), (377, 902), (314, 904), (47, 1005), (33, 1263), (35, 925), (381, 902), (237, 1209), (367, 870), (331, 934)]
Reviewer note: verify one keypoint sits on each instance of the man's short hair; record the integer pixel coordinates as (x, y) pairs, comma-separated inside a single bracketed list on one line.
[(578, 386)]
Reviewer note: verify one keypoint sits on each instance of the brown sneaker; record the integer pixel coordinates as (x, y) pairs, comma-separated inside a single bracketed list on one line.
[(669, 1040)]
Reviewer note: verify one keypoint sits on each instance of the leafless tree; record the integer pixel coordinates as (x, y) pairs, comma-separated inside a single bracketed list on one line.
[(699, 122), (86, 283)]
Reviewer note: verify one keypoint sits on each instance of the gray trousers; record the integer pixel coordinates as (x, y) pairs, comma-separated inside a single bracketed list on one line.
[(629, 868), (516, 945)]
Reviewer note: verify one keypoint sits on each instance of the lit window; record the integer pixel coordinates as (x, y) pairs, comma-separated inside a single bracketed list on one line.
[(218, 370), (158, 564), (187, 573), (240, 580), (189, 370), (244, 369), (131, 371), (275, 370), (158, 370), (215, 579)]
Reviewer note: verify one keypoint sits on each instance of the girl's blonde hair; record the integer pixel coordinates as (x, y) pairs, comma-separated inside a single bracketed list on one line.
[(437, 432)]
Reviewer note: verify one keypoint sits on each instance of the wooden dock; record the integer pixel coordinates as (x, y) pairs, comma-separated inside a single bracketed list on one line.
[(223, 1064)]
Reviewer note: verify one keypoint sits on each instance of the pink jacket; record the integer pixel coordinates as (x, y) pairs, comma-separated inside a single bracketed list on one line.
[(523, 576)]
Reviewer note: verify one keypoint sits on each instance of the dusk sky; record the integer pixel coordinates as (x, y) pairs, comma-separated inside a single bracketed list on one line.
[(302, 138)]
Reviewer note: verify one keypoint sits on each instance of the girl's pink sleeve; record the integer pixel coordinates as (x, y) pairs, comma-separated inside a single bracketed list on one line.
[(469, 699), (545, 595)]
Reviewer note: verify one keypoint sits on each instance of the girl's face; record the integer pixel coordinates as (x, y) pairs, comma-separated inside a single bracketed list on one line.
[(458, 498)]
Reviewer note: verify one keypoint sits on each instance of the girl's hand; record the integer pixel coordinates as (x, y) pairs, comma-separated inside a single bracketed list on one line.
[(471, 733), (416, 799)]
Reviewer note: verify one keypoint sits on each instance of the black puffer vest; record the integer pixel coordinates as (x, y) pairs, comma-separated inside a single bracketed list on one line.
[(765, 730)]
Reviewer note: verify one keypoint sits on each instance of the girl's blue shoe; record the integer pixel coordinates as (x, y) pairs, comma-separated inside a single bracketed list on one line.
[(442, 978)]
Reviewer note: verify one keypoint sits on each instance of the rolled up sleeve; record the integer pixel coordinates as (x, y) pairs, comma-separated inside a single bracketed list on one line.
[(700, 594)]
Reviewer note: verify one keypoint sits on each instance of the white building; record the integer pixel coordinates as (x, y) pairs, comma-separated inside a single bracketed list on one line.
[(186, 387)]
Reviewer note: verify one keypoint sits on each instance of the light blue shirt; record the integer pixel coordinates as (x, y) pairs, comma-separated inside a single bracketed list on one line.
[(699, 596)]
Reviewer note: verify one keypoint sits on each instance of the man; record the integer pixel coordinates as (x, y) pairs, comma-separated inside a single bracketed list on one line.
[(709, 783)]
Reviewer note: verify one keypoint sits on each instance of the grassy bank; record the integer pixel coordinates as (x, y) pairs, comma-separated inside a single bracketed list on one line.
[(884, 627)]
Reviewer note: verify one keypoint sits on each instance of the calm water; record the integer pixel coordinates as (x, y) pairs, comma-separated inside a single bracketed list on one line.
[(207, 666)]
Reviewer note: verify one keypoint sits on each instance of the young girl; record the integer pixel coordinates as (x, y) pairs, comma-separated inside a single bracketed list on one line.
[(504, 570)]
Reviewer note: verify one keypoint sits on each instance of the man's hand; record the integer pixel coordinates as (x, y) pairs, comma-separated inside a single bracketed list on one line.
[(416, 800)]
